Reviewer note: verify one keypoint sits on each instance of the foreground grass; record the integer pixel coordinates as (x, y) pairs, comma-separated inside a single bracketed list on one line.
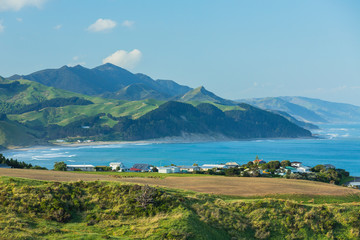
[(31, 209)]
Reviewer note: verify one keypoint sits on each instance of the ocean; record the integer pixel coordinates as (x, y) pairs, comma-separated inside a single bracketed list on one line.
[(338, 144)]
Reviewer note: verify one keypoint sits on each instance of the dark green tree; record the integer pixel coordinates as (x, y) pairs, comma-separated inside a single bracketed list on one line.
[(285, 163), (60, 166)]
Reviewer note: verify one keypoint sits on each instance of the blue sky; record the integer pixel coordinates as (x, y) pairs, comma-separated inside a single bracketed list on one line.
[(237, 49)]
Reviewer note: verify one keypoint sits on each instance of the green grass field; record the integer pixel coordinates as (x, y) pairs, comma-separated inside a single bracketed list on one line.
[(32, 209)]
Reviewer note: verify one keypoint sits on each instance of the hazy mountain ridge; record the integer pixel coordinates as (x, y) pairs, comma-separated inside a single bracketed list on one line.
[(309, 109)]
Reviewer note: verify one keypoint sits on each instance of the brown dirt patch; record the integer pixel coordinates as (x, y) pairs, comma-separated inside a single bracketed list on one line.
[(209, 184)]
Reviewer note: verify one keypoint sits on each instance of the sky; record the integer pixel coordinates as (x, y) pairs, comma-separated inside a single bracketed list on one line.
[(236, 49)]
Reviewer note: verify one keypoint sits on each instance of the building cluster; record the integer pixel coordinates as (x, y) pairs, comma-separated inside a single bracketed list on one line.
[(295, 167), (142, 167)]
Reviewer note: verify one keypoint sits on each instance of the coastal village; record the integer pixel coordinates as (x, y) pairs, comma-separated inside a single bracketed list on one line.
[(293, 167), (256, 168)]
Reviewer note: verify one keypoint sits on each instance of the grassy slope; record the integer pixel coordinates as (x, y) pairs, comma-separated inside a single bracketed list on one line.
[(13, 134), (197, 216), (65, 115), (32, 92)]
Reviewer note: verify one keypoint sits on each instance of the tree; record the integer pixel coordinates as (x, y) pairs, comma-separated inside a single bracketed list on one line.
[(285, 163), (60, 166), (318, 168), (274, 165)]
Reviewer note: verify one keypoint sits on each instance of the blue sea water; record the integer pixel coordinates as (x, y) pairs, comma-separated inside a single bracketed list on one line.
[(337, 144)]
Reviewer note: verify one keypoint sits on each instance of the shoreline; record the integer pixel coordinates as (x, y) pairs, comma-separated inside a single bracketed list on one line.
[(167, 140)]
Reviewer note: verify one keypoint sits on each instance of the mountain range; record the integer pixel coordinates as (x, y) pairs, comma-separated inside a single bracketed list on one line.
[(309, 109), (113, 82), (35, 113), (110, 103), (107, 81)]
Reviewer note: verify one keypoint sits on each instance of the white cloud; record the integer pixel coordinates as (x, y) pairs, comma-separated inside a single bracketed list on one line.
[(124, 59), (128, 23), (19, 19), (76, 60), (57, 27), (102, 25), (16, 5), (2, 27)]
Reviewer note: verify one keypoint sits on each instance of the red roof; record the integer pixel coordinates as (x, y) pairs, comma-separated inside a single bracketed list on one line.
[(135, 169)]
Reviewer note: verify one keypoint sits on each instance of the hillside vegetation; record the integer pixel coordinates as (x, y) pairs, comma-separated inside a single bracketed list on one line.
[(13, 134), (38, 113), (96, 210)]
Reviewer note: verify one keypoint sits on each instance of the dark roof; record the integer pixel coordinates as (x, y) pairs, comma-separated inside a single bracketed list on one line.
[(329, 166), (142, 166), (296, 162)]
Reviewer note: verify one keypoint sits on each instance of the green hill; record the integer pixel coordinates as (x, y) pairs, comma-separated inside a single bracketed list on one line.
[(179, 119), (200, 94), (52, 113), (13, 134), (136, 91)]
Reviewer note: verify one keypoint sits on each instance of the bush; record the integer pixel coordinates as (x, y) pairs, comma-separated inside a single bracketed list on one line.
[(60, 166)]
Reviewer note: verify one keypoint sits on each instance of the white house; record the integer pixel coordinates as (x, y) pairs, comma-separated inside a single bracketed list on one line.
[(206, 167), (296, 164), (120, 165), (88, 168), (189, 168), (304, 169), (232, 164), (292, 169), (354, 184), (171, 169)]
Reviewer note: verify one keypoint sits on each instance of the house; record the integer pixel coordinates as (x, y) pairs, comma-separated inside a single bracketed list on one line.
[(258, 161), (281, 171), (118, 165), (171, 169), (135, 170), (304, 169), (232, 164), (292, 169), (354, 184), (296, 164), (206, 167), (4, 165), (88, 168), (141, 167), (329, 166), (189, 168)]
